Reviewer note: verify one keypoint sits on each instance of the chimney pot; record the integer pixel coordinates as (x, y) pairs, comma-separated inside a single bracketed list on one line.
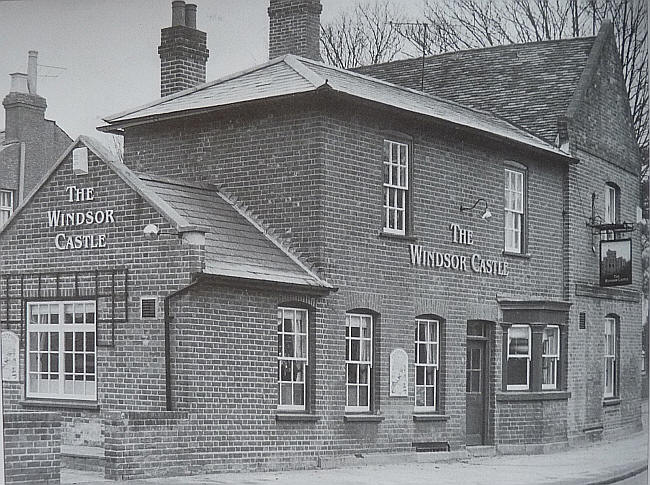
[(32, 71), (178, 12), (19, 83), (190, 15)]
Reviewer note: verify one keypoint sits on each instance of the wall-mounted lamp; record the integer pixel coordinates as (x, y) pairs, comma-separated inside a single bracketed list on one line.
[(487, 215)]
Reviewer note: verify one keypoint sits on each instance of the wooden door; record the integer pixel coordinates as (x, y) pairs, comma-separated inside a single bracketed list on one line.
[(475, 392)]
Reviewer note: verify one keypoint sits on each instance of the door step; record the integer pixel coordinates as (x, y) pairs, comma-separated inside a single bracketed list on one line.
[(88, 458), (482, 450)]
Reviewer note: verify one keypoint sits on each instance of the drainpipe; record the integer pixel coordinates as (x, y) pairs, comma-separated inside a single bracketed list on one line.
[(168, 344)]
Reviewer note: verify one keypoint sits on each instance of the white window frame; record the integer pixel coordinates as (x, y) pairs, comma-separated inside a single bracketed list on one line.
[(610, 357), (291, 337), (37, 327), (430, 360), (396, 186), (551, 355), (514, 210), (364, 342), (519, 387), (610, 209), (6, 205)]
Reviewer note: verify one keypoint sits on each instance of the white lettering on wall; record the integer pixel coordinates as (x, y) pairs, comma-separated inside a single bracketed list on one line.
[(58, 218)]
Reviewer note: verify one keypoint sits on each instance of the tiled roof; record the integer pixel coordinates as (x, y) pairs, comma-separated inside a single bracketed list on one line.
[(528, 84), (292, 75), (236, 246)]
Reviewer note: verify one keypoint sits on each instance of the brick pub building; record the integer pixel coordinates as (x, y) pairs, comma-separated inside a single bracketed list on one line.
[(297, 263)]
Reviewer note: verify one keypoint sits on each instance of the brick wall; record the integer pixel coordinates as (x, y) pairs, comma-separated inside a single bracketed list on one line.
[(32, 448), (602, 138), (531, 422), (130, 370), (145, 444)]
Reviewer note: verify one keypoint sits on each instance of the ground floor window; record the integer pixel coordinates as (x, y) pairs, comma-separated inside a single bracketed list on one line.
[(550, 356), (61, 355), (518, 367), (610, 357), (427, 340), (292, 357), (358, 361)]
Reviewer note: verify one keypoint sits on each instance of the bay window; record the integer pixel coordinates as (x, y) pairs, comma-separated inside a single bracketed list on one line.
[(550, 356), (518, 357)]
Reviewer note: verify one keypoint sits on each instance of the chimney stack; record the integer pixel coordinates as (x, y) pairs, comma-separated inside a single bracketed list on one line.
[(294, 28), (183, 51), (23, 107), (32, 71)]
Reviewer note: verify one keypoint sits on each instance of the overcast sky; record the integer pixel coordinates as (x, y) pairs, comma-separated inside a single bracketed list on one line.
[(104, 53)]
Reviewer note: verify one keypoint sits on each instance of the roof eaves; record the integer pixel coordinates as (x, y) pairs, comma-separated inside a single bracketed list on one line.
[(111, 118), (321, 282)]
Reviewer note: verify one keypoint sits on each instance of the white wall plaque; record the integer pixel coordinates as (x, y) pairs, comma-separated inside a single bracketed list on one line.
[(10, 356), (399, 376)]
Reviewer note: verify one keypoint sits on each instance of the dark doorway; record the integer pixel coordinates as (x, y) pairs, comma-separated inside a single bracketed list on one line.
[(475, 383)]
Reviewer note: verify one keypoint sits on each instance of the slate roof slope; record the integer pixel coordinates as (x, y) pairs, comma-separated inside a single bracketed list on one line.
[(236, 246), (292, 75), (528, 84)]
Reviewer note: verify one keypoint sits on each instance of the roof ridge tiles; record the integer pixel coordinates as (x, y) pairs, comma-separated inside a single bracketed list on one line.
[(514, 45), (417, 92), (178, 181)]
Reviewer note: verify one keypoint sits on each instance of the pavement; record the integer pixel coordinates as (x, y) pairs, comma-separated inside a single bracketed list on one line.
[(598, 464)]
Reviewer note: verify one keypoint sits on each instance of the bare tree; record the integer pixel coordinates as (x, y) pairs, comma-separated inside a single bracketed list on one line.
[(465, 24), (363, 35), (117, 147)]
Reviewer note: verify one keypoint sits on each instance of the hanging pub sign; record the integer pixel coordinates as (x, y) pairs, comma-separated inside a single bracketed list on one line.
[(616, 262)]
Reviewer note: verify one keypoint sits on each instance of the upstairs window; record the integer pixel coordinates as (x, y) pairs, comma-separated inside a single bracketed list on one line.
[(6, 205), (514, 209), (358, 361), (612, 207), (396, 186), (293, 358)]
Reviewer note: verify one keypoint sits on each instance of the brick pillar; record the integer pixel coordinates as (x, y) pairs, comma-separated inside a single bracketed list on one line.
[(294, 28), (32, 448), (183, 51)]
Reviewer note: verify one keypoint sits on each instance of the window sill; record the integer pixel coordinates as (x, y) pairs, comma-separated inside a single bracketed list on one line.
[(516, 255), (62, 404), (398, 237), (296, 417), (430, 417), (611, 401), (533, 396), (363, 418)]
